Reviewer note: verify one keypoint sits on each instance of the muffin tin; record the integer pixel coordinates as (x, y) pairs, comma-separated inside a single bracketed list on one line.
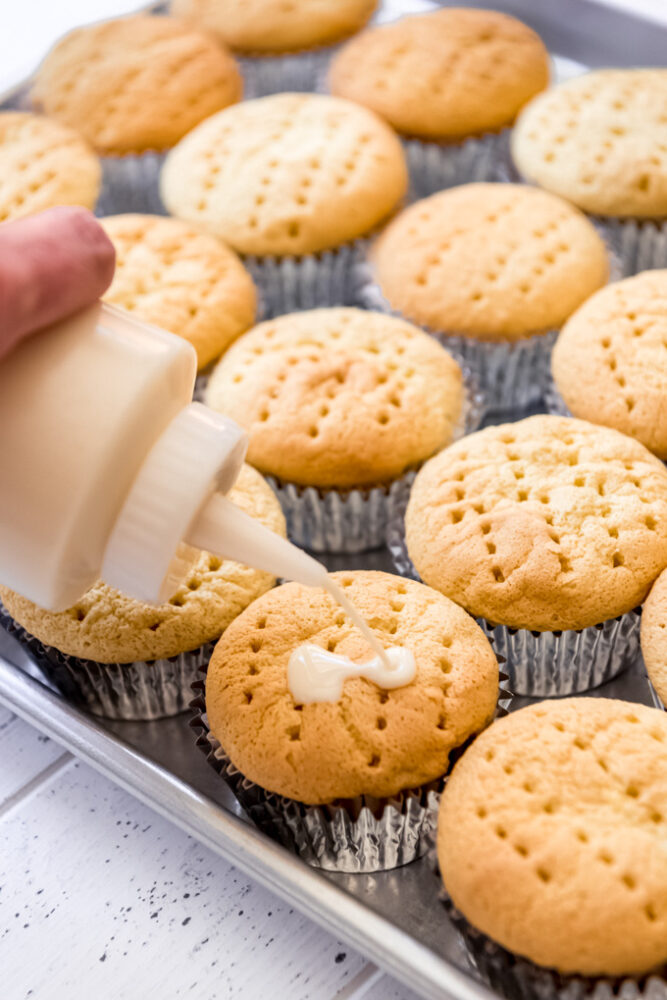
[(394, 917)]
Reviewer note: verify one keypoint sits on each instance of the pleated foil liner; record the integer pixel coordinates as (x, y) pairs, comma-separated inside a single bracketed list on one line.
[(434, 166), (545, 664), (356, 520), (512, 375), (137, 691), (657, 701), (288, 284), (639, 244), (131, 184), (297, 72), (520, 979), (360, 835)]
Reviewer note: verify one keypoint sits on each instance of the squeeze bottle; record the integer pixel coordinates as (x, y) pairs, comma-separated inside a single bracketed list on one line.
[(108, 470)]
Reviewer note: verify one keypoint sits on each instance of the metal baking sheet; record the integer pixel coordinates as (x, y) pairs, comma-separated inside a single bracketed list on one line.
[(392, 917)]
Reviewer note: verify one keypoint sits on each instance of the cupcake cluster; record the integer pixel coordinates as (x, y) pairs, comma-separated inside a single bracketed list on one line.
[(379, 238)]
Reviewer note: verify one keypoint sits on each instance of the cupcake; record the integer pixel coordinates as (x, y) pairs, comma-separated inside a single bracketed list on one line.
[(600, 141), (350, 782), (283, 46), (610, 360), (172, 275), (552, 848), (550, 531), (43, 164), (654, 636), (133, 87), (451, 82), (341, 406), (127, 660), (289, 181), (496, 269)]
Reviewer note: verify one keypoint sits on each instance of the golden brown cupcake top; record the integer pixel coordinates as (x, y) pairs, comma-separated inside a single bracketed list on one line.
[(490, 261), (43, 164), (109, 627), (445, 75), (171, 274), (137, 83), (339, 397), (287, 174), (548, 523), (600, 141), (372, 741), (610, 360), (654, 635), (552, 837), (271, 26)]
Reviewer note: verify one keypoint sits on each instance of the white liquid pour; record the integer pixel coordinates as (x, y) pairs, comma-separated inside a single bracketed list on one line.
[(314, 674), (224, 529)]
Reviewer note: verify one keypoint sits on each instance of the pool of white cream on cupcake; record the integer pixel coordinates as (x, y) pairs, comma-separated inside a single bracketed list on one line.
[(316, 674)]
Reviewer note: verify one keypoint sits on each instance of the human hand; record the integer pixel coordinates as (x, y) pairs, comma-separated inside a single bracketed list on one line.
[(51, 265)]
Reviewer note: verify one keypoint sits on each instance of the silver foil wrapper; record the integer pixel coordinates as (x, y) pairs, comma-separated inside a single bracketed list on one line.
[(288, 284), (545, 664), (137, 691), (657, 701), (356, 520), (519, 979), (512, 375), (553, 400), (131, 184), (434, 166), (296, 72), (639, 245), (360, 835)]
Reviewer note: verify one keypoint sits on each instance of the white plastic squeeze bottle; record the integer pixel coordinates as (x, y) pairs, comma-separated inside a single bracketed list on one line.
[(108, 470)]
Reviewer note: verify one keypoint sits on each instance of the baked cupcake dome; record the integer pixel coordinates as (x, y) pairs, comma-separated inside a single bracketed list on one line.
[(610, 359), (137, 83), (445, 75), (600, 141), (489, 261), (654, 635), (558, 854), (272, 26), (339, 397), (108, 627), (287, 174), (43, 164), (372, 741), (546, 524), (171, 274)]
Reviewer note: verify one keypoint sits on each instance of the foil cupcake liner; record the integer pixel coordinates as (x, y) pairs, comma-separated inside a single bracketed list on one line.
[(131, 184), (289, 284), (511, 374), (356, 520), (545, 664), (434, 166), (360, 835), (640, 245), (296, 72), (655, 697), (520, 979), (140, 691)]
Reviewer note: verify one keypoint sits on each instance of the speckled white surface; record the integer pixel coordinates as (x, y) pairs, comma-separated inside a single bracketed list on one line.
[(99, 896)]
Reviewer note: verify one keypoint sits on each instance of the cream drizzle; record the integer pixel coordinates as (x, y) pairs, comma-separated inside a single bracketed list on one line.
[(314, 674)]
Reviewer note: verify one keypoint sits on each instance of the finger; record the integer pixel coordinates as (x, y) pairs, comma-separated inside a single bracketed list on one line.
[(51, 265)]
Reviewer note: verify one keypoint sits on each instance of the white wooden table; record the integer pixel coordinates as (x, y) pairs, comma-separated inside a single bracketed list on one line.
[(99, 896)]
